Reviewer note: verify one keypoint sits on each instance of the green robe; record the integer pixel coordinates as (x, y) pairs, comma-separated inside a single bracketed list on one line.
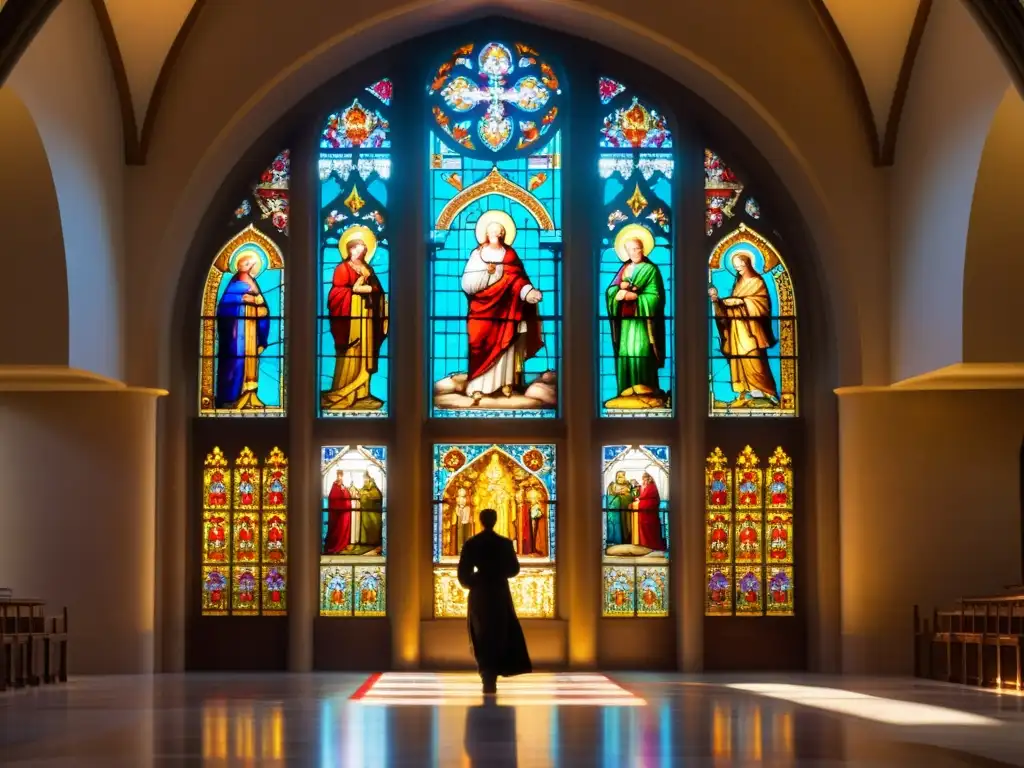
[(638, 339), (371, 519)]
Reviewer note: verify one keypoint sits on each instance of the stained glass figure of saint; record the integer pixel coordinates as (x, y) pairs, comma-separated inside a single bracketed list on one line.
[(358, 311), (242, 329), (636, 164), (753, 328), (636, 315), (496, 242)]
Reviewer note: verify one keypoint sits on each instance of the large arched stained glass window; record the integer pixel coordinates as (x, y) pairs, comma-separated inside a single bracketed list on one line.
[(495, 279), (637, 367), (355, 256), (242, 333), (752, 365)]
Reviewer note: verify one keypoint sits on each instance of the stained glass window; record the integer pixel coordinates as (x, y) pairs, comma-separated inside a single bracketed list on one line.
[(749, 535), (752, 365), (245, 542), (636, 284), (242, 334), (495, 276), (355, 257), (518, 481), (353, 530), (635, 490)]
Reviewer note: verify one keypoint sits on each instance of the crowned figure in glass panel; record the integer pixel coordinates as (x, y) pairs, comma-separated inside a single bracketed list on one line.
[(496, 242)]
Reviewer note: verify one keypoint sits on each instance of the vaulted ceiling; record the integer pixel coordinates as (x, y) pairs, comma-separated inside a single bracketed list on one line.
[(877, 40)]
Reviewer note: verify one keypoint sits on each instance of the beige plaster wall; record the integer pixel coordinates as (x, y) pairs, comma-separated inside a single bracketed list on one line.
[(995, 242), (930, 511), (31, 246), (78, 518), (65, 80), (957, 85)]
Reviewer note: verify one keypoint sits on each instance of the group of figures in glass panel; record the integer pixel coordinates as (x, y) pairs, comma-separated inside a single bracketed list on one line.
[(494, 297), (636, 529), (519, 482), (353, 535)]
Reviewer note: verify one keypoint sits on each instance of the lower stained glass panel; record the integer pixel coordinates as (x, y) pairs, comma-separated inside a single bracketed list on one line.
[(245, 592), (533, 594), (719, 591), (275, 592), (353, 530), (780, 590), (749, 591), (652, 591), (619, 591), (216, 591)]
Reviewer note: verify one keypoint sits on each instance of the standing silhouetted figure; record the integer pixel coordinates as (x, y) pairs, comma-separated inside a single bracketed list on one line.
[(487, 562)]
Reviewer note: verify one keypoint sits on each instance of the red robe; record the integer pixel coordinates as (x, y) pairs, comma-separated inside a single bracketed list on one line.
[(339, 307), (495, 314), (525, 529), (648, 519), (339, 520)]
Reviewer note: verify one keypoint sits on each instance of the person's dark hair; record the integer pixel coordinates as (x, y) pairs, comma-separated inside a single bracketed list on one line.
[(488, 519)]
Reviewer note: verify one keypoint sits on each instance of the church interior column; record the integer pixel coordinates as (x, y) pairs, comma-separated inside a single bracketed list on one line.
[(929, 511), (303, 503), (691, 304), (579, 536), (88, 541)]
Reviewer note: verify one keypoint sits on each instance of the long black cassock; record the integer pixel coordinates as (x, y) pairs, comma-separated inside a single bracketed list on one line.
[(487, 562)]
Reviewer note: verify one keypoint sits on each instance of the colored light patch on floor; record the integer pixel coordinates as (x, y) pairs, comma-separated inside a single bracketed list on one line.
[(463, 689)]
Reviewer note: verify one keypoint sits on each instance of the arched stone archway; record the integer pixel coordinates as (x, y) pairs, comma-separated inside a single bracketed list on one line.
[(35, 272)]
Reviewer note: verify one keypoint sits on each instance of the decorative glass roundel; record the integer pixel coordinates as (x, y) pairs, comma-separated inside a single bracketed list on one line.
[(496, 99)]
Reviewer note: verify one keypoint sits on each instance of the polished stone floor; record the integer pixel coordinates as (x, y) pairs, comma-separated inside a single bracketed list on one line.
[(425, 719)]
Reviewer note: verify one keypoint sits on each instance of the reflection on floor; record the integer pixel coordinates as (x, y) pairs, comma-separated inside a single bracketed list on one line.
[(437, 720), (463, 689)]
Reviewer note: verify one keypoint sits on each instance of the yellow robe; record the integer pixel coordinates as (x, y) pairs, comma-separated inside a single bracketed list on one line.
[(745, 336)]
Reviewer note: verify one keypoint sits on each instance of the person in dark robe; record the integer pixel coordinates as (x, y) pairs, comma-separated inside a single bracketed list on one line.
[(487, 562), (649, 515), (339, 518)]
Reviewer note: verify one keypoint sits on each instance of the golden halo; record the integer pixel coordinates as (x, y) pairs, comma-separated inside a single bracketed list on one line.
[(358, 232), (487, 218), (640, 232), (248, 249)]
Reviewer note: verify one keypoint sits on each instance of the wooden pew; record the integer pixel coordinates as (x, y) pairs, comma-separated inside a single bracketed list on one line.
[(977, 643)]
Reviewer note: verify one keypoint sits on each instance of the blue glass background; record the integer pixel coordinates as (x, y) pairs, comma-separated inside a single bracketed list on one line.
[(539, 250)]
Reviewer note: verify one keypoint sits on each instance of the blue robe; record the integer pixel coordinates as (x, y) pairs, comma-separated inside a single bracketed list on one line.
[(232, 317)]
